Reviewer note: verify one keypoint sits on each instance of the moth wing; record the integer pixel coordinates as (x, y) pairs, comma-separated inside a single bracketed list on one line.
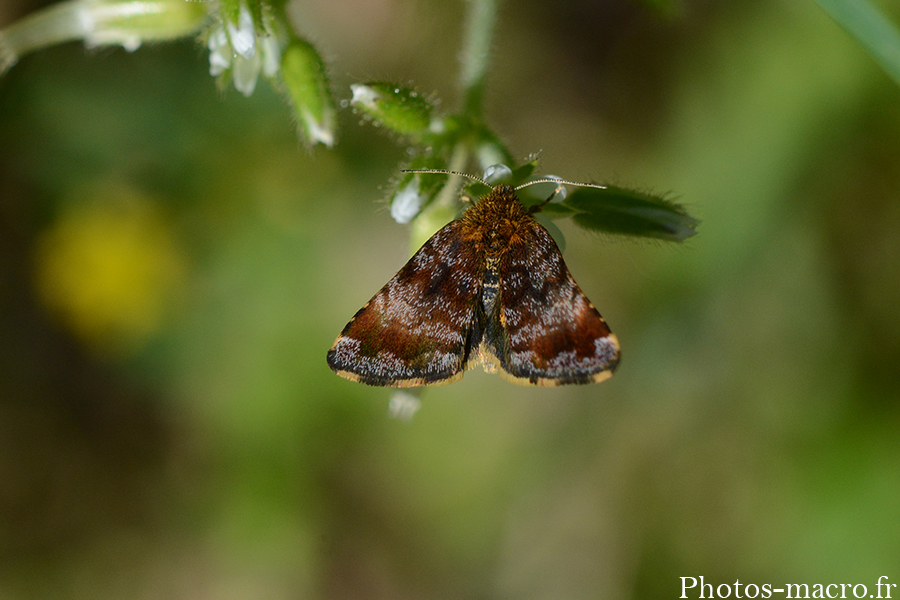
[(420, 327), (543, 330)]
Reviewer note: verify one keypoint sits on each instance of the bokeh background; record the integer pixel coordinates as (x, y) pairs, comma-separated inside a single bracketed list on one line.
[(174, 265)]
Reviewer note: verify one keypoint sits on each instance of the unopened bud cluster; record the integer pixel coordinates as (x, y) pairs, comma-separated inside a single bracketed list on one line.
[(245, 38)]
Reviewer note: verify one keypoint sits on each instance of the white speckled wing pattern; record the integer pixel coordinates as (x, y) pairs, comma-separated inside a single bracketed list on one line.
[(545, 330), (492, 285), (421, 327)]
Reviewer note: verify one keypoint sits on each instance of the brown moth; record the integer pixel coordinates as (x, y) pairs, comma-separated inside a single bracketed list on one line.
[(489, 287)]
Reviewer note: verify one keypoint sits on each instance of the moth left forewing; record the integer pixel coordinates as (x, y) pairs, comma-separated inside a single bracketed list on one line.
[(544, 330), (420, 327)]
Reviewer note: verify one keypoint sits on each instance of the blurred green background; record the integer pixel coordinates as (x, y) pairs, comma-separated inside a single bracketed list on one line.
[(174, 266)]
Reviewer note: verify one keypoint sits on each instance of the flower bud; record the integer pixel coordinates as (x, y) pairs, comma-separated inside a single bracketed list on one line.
[(416, 190), (306, 84), (241, 46), (400, 109)]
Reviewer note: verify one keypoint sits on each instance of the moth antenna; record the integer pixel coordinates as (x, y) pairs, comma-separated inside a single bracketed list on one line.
[(560, 182), (448, 172)]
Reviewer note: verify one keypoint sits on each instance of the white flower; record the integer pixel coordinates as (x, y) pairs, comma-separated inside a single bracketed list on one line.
[(271, 54), (243, 33), (240, 48), (219, 52), (406, 203), (363, 95), (403, 405), (245, 73)]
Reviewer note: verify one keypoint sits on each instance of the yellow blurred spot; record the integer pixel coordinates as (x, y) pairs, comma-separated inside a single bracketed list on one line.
[(108, 268)]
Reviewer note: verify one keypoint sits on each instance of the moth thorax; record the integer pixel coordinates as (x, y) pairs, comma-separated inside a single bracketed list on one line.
[(494, 241)]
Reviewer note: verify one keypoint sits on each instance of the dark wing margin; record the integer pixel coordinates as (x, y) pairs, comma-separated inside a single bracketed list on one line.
[(543, 329), (421, 327)]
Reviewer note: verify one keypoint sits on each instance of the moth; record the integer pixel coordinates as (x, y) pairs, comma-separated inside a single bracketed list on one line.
[(490, 287)]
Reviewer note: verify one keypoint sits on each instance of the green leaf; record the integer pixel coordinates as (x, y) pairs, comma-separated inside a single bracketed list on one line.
[(627, 212), (477, 190), (557, 210), (873, 30), (230, 9), (522, 173)]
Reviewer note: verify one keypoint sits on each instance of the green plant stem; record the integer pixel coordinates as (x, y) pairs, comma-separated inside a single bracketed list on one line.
[(481, 16), (448, 196), (872, 29), (54, 24)]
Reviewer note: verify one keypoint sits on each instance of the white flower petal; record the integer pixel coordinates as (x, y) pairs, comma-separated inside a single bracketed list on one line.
[(406, 203), (219, 52), (403, 406), (218, 63), (322, 132), (131, 43), (243, 36), (218, 39), (271, 55), (245, 74), (363, 95)]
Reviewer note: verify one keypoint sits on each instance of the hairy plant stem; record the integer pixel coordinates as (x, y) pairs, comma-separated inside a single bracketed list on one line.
[(478, 31), (448, 194), (481, 16)]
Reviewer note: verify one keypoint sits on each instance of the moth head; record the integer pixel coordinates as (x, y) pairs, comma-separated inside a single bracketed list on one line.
[(558, 181)]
